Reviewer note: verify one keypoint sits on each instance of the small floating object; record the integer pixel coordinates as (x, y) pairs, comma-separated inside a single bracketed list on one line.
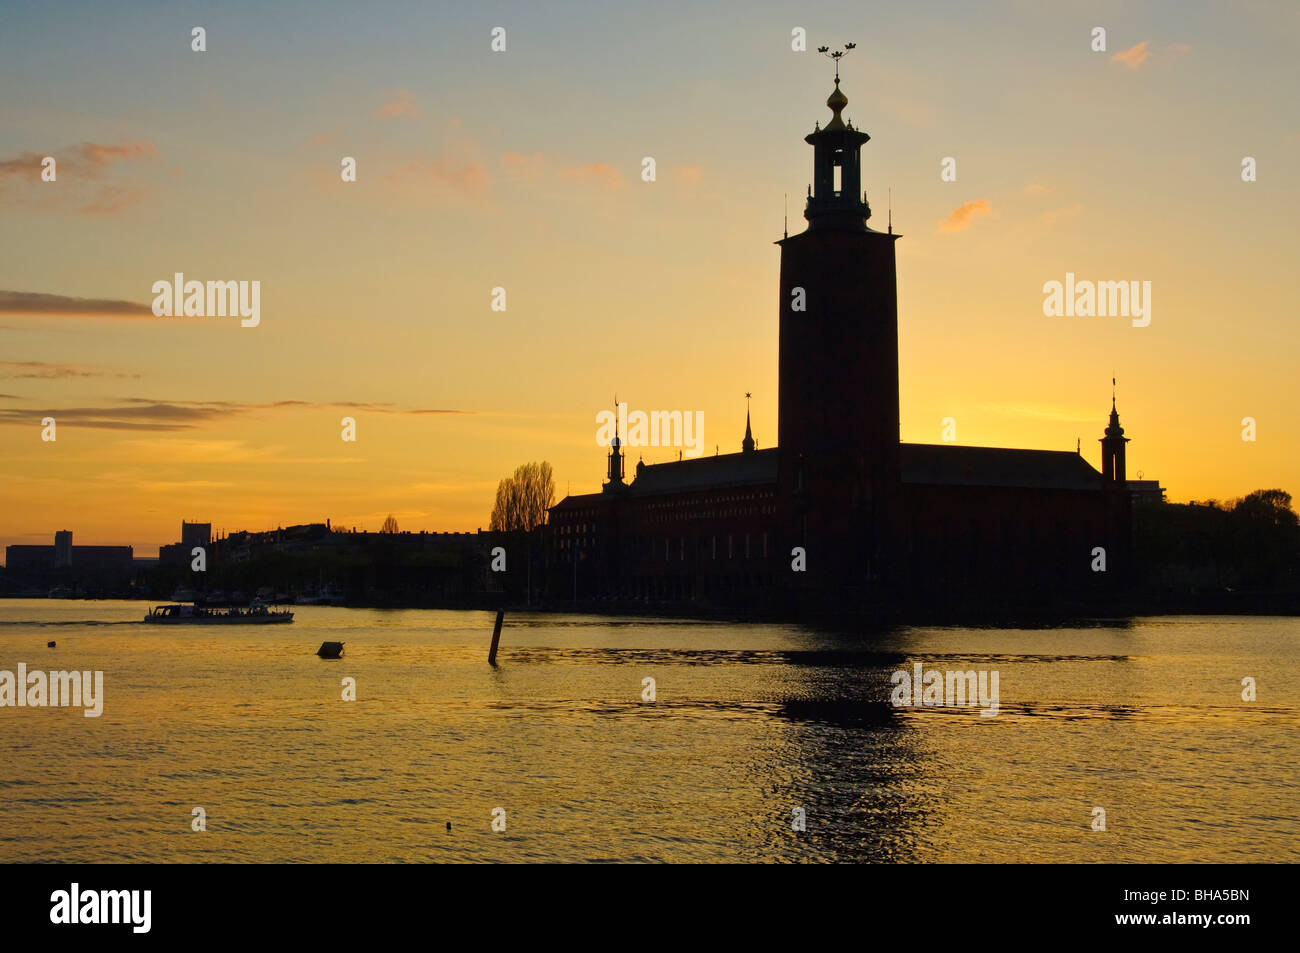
[(330, 650), (49, 645), (449, 825)]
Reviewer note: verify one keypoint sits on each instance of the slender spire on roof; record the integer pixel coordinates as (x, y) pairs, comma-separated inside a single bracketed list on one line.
[(615, 471), (1113, 429), (747, 445)]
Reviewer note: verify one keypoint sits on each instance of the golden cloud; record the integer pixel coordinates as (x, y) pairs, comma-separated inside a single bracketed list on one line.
[(1134, 56), (960, 218)]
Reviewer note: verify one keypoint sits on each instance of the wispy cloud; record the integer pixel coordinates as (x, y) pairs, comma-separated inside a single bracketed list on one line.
[(150, 415), (596, 173), (1060, 214), (31, 303), (401, 103), (113, 199), (1134, 56), (78, 170), (40, 370), (89, 159), (445, 171), (961, 217), (690, 174), (165, 486), (1140, 53), (196, 450), (516, 165), (1045, 412)]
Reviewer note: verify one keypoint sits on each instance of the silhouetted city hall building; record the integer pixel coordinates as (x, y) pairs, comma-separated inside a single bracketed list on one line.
[(871, 521)]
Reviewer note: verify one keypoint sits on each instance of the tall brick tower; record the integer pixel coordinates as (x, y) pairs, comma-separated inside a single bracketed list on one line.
[(838, 406)]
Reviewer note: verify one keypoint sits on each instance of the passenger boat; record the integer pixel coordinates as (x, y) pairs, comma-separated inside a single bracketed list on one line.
[(256, 614)]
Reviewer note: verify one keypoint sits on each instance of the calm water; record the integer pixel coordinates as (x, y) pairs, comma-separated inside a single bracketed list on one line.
[(1144, 719)]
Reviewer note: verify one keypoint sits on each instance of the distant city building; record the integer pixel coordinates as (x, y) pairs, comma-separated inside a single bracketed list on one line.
[(84, 568), (327, 565), (28, 559), (195, 534), (192, 535), (63, 548), (1146, 491)]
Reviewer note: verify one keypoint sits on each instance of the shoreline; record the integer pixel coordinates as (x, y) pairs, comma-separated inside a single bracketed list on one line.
[(1120, 612)]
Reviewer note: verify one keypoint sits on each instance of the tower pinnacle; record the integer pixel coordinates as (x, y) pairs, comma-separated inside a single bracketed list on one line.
[(615, 472), (747, 445), (1112, 445), (836, 199)]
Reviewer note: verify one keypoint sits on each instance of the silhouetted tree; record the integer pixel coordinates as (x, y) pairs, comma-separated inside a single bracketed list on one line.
[(390, 525), (1250, 543), (523, 500), (1265, 538)]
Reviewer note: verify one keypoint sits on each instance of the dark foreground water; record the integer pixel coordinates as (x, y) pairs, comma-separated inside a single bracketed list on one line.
[(1144, 719)]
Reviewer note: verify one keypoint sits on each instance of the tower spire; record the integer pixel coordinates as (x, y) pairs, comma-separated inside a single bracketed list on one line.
[(836, 199), (747, 445), (1112, 444), (615, 457)]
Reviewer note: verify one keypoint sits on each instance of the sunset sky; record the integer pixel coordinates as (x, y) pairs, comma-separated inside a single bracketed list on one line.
[(521, 169)]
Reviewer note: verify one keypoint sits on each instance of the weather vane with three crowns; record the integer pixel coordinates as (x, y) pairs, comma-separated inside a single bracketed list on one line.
[(826, 51)]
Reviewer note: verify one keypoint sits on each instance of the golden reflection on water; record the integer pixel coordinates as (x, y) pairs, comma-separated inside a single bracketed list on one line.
[(750, 722)]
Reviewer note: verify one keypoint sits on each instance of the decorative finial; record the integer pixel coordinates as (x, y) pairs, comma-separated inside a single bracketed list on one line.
[(837, 100), (826, 51)]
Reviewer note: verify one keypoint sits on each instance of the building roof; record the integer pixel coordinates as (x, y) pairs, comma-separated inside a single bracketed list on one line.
[(950, 465), (584, 499), (707, 473), (921, 463)]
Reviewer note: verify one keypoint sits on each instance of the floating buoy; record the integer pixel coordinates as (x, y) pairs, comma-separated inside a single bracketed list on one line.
[(330, 650)]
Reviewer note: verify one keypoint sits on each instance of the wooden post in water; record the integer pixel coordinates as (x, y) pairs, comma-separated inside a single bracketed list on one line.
[(496, 638)]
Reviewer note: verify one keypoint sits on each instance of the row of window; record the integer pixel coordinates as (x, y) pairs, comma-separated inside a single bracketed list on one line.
[(714, 514), (678, 544)]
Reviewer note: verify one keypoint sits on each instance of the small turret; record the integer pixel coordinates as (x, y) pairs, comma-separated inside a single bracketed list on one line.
[(1112, 447), (615, 472)]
